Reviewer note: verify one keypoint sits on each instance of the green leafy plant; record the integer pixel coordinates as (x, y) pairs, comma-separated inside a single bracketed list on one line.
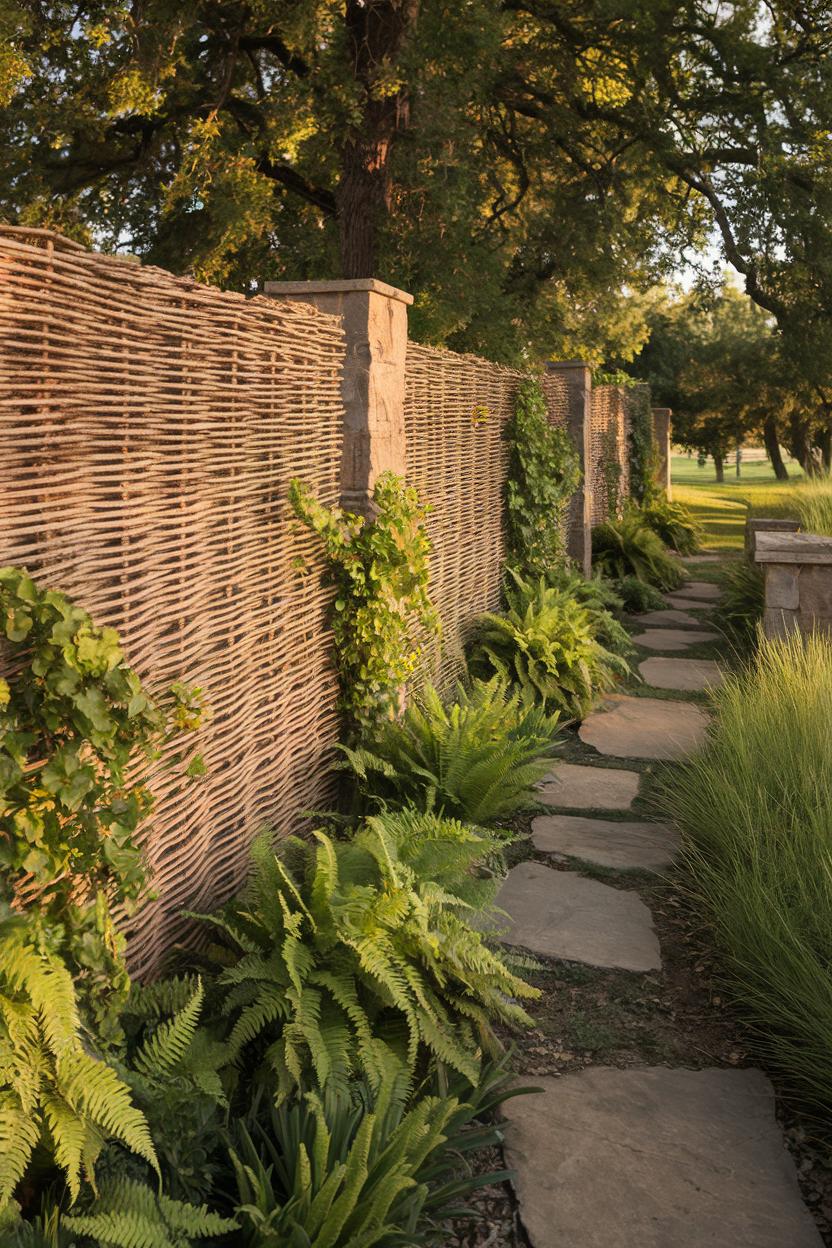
[(130, 1214), (380, 571), (637, 596), (627, 547), (543, 474), (72, 716), (609, 466), (673, 523), (601, 601), (54, 1092), (546, 642), (364, 1167), (641, 449), (344, 951), (476, 757), (755, 809), (742, 602)]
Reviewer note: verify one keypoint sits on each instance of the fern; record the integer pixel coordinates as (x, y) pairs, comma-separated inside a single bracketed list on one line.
[(362, 955), (52, 1090), (476, 758), (672, 523), (629, 547), (129, 1214), (546, 642)]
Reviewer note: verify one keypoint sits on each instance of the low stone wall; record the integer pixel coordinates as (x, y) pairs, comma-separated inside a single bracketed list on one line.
[(798, 582)]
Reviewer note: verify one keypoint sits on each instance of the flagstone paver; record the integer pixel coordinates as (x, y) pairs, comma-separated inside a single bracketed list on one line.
[(589, 788), (655, 1158), (688, 604), (672, 638), (686, 675), (563, 915), (618, 843), (668, 616), (704, 591), (628, 727)]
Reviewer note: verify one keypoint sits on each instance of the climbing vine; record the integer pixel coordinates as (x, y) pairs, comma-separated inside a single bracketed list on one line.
[(543, 474), (641, 449), (609, 467), (380, 570), (73, 716)]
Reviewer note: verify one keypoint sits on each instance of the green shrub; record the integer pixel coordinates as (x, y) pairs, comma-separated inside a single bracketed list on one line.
[(755, 807), (673, 523), (342, 951), (601, 601), (543, 474), (627, 547), (637, 596), (476, 758), (742, 601), (362, 1167), (546, 642)]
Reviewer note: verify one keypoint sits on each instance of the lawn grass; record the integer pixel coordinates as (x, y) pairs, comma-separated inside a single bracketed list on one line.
[(722, 509)]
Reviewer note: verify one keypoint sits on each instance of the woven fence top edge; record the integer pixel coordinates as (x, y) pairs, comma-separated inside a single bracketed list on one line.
[(130, 270), (464, 357)]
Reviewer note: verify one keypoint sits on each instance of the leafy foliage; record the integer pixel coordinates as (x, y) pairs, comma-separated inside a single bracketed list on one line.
[(601, 601), (543, 474), (476, 758), (71, 719), (363, 1167), (627, 547), (128, 1213), (54, 1091), (546, 642), (673, 523), (641, 450), (637, 596), (345, 951), (380, 572)]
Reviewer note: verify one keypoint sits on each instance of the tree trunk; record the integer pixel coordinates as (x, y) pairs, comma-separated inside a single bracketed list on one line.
[(376, 34), (719, 465), (772, 444), (799, 443)]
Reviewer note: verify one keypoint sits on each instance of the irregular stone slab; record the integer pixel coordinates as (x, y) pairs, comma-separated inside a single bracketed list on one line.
[(687, 675), (703, 591), (687, 604), (655, 1158), (563, 915), (669, 616), (609, 842), (592, 788), (672, 638), (645, 728)]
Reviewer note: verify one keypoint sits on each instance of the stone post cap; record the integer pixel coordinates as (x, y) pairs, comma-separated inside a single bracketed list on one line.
[(792, 548), (567, 364), (662, 411), (340, 286)]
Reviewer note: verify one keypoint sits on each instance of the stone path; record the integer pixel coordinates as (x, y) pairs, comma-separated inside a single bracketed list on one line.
[(672, 638), (687, 675), (645, 1157), (668, 616)]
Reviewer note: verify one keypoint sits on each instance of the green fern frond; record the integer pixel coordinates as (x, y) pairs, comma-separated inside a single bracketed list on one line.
[(166, 1048)]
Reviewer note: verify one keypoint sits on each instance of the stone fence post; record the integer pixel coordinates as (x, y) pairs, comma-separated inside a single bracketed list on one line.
[(374, 317), (662, 438), (763, 524), (578, 377), (798, 582)]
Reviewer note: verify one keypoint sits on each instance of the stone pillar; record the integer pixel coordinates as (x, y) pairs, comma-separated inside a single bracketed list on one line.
[(763, 524), (661, 437), (578, 377), (374, 317), (798, 582)]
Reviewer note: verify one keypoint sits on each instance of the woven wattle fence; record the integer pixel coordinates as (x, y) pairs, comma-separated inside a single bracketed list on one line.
[(609, 456), (149, 428), (456, 410)]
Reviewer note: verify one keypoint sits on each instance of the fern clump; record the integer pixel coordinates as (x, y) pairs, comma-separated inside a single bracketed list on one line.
[(129, 1214), (546, 642), (673, 523), (601, 601), (637, 596), (476, 757), (342, 952), (53, 1091), (629, 547)]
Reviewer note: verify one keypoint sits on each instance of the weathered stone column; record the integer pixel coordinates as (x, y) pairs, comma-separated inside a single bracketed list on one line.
[(661, 437), (764, 524), (374, 317), (798, 579), (578, 377)]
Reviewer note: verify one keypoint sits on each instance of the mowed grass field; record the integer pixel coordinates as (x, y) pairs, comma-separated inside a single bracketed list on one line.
[(722, 509)]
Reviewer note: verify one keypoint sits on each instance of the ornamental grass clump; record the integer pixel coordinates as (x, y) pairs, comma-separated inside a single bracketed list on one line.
[(547, 643), (755, 808), (476, 757), (813, 504)]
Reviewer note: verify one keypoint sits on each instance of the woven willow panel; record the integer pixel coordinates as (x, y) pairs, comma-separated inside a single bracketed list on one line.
[(609, 449), (149, 427), (456, 408), (556, 393)]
